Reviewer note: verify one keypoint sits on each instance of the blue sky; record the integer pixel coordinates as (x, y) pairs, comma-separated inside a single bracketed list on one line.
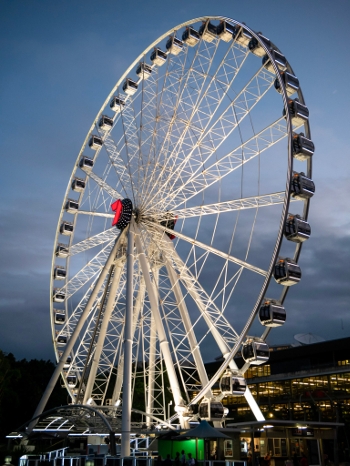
[(60, 61)]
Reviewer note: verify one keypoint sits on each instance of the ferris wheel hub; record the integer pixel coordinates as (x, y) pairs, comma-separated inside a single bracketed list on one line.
[(123, 213)]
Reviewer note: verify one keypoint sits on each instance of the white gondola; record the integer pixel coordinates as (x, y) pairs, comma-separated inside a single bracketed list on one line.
[(117, 104), (95, 142), (297, 229), (232, 383), (78, 185), (255, 46), (72, 206), (255, 352), (287, 272), (207, 31), (158, 57), (59, 273), (174, 45), (291, 83), (144, 71), (130, 86), (272, 313), (190, 36), (105, 123), (62, 250), (66, 228), (298, 112), (278, 58), (71, 380), (226, 31), (58, 295), (60, 316), (303, 148), (86, 164), (210, 409), (243, 37), (68, 360), (302, 187), (61, 339)]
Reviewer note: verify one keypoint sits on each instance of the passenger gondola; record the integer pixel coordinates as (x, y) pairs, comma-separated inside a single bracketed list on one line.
[(279, 59), (243, 37), (207, 31), (210, 409), (58, 295), (298, 112), (255, 46), (105, 123), (95, 142), (71, 380), (60, 316), (62, 250), (302, 187), (59, 273), (130, 86), (226, 31), (303, 148), (78, 185), (68, 360), (86, 164), (190, 36), (272, 313), (174, 45), (117, 104), (158, 57), (291, 83), (287, 272), (255, 352), (61, 340), (72, 206), (232, 383), (144, 71), (296, 229), (66, 228)]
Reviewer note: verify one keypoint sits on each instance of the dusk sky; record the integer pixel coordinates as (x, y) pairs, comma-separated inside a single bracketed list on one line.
[(59, 61)]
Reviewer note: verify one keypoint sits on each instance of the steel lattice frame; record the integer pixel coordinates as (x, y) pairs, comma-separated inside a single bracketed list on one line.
[(202, 140)]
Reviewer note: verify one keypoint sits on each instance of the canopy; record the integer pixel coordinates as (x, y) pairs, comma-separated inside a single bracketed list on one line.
[(203, 430)]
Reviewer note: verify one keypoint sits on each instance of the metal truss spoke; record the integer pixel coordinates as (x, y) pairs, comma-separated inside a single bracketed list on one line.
[(103, 185), (211, 249), (94, 241)]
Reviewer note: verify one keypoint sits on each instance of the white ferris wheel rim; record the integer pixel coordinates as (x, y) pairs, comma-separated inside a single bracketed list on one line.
[(284, 199)]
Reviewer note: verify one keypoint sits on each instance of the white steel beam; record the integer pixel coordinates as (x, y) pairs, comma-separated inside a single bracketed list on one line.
[(127, 379)]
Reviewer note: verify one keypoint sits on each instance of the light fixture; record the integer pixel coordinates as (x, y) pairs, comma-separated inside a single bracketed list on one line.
[(8, 459), (268, 426)]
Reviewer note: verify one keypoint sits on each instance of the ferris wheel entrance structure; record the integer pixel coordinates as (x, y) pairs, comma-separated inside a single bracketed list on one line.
[(181, 227)]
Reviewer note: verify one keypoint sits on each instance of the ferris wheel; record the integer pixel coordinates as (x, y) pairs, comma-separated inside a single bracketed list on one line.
[(182, 224)]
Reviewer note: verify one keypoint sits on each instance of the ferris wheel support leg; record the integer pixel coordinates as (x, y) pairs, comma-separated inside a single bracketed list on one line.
[(164, 344), (151, 369), (188, 326), (103, 330), (76, 332), (218, 338), (126, 409), (120, 369)]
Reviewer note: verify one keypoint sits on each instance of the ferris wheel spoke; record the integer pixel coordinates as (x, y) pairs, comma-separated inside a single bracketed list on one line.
[(204, 302), (93, 241), (103, 185), (84, 275), (182, 109), (95, 214), (215, 136), (253, 202), (209, 102), (211, 249), (233, 160)]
